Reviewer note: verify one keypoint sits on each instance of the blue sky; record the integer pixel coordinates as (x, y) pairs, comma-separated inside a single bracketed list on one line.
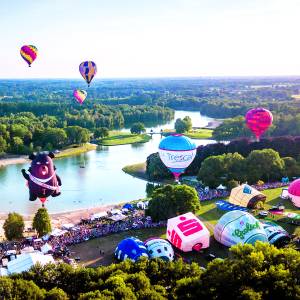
[(151, 38)]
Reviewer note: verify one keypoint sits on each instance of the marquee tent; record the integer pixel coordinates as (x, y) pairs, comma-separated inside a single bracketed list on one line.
[(246, 196), (25, 261)]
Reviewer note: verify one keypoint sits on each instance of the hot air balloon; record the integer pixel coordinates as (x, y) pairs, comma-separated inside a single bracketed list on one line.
[(258, 120), (88, 70), (294, 192), (29, 53), (80, 95), (239, 227), (131, 248), (41, 177), (177, 152), (187, 233), (159, 248)]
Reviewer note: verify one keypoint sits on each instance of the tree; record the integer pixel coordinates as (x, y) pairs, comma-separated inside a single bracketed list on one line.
[(137, 128), (291, 167), (13, 226), (101, 132), (41, 222), (56, 294), (264, 164), (171, 200), (184, 125), (77, 135)]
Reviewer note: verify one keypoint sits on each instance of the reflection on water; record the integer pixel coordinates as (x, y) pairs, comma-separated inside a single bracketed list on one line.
[(101, 181)]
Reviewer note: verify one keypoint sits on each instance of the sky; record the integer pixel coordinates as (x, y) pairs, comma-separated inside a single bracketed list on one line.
[(151, 38)]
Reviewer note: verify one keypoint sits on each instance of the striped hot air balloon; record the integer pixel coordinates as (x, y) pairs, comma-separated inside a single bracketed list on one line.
[(29, 53), (88, 70), (80, 95)]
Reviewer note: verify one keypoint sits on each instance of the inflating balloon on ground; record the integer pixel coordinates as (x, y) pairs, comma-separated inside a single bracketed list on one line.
[(239, 227), (159, 248), (187, 233), (131, 248), (294, 192)]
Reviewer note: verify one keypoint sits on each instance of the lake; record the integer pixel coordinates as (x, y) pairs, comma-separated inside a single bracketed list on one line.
[(101, 182)]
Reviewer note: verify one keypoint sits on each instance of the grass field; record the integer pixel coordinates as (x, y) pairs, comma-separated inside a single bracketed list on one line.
[(89, 251), (122, 138), (75, 150), (136, 170), (200, 134)]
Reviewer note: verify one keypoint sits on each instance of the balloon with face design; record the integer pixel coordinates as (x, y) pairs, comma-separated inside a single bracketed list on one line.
[(42, 179)]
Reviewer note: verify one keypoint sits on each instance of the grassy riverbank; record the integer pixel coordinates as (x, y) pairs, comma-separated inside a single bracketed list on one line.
[(136, 170), (122, 138), (75, 150), (200, 134)]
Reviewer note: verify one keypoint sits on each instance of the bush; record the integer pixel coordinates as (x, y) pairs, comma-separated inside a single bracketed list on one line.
[(13, 226)]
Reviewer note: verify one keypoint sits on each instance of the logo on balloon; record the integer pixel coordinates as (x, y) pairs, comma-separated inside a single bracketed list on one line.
[(249, 227), (179, 158)]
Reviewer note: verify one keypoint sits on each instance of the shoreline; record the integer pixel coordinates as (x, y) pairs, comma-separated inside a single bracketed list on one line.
[(14, 159)]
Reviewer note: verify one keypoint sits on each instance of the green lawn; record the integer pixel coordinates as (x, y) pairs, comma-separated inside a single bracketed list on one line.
[(136, 170), (200, 134), (89, 251), (75, 150), (122, 138)]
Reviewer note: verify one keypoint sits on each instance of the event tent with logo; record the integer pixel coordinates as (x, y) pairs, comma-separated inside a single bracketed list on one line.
[(246, 196)]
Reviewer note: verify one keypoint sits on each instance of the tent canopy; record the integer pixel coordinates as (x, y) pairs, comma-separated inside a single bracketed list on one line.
[(221, 187), (67, 226), (99, 215), (25, 261), (246, 196), (128, 206)]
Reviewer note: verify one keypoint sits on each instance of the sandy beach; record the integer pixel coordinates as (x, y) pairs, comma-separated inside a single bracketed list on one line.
[(13, 160), (59, 219)]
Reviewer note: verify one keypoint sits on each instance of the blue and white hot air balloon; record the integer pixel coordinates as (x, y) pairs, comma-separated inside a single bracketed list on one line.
[(177, 152), (131, 248), (159, 248)]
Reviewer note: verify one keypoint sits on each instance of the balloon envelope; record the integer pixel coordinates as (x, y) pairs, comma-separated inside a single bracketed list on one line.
[(258, 120), (88, 70), (29, 53), (294, 192), (239, 227), (177, 152), (80, 95), (131, 248), (159, 248)]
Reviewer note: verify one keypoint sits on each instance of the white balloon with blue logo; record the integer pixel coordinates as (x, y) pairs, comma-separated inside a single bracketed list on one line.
[(131, 248), (160, 248), (177, 152)]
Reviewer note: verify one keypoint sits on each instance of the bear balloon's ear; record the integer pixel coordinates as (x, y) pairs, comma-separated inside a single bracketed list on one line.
[(32, 156), (51, 155)]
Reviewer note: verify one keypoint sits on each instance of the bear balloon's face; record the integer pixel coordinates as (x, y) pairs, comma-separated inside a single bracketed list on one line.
[(42, 166)]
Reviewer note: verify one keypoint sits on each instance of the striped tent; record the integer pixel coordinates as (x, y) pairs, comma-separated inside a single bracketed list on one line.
[(246, 196)]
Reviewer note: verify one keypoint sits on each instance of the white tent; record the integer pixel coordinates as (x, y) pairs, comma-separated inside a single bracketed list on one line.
[(67, 226), (57, 232), (141, 205), (284, 194), (3, 272), (98, 215), (46, 248), (115, 212), (27, 250), (118, 217), (221, 187), (24, 262)]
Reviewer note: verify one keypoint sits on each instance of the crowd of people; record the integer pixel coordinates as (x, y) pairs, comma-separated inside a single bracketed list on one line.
[(84, 231)]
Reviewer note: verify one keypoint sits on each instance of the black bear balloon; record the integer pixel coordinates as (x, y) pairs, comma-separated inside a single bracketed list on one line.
[(42, 179)]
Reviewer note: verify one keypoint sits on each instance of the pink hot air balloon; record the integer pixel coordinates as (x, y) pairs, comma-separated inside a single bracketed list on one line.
[(294, 192), (258, 120), (80, 95)]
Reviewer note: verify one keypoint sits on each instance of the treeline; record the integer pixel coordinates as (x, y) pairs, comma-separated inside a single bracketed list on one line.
[(260, 272), (90, 115), (285, 146)]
